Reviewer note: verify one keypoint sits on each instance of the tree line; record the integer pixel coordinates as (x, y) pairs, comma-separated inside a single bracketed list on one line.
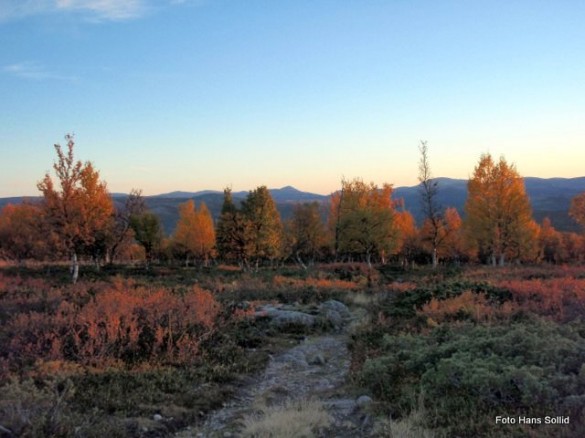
[(361, 222)]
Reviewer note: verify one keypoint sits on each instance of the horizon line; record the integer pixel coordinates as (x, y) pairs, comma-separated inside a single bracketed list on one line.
[(196, 192)]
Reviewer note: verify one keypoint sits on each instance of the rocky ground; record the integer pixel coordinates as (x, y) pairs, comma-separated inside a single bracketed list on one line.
[(304, 384)]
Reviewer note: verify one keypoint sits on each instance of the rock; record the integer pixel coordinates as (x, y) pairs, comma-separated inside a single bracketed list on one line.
[(316, 359), (363, 401), (332, 317), (295, 358), (157, 417), (337, 306), (344, 406), (335, 313), (283, 318)]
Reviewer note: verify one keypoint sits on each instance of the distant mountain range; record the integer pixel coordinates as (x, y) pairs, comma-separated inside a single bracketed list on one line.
[(549, 197), (284, 194)]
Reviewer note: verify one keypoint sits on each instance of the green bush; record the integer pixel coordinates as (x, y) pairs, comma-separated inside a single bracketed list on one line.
[(468, 374)]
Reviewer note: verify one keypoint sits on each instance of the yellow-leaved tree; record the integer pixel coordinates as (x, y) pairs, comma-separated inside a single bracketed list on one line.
[(194, 236), (498, 214), (265, 227), (362, 221)]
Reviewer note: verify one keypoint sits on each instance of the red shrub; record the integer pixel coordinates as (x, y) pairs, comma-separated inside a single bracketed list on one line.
[(122, 324), (561, 299)]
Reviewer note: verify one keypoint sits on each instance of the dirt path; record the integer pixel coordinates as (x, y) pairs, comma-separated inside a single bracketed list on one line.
[(313, 372)]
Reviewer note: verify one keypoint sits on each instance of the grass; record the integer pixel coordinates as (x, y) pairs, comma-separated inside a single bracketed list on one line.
[(410, 426), (298, 419)]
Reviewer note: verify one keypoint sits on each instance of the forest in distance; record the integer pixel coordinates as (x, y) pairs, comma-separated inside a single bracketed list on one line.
[(78, 218), (455, 324)]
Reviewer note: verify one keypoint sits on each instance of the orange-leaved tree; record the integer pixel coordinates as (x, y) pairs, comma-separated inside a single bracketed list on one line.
[(577, 209), (194, 235), (408, 242), (550, 242), (21, 232), (452, 242), (499, 217), (78, 206)]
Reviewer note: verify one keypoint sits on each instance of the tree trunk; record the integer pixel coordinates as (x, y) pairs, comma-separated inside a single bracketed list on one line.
[(74, 268), (300, 261), (502, 259), (435, 260)]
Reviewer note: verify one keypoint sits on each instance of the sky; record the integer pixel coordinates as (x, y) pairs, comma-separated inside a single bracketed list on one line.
[(167, 95)]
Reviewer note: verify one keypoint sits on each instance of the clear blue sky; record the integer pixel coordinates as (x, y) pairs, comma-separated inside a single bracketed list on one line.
[(188, 95)]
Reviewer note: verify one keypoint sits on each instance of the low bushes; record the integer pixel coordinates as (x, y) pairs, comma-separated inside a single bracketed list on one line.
[(467, 374), (487, 342), (124, 324)]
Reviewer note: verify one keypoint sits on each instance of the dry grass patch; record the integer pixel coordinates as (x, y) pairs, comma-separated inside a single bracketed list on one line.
[(407, 427), (297, 419)]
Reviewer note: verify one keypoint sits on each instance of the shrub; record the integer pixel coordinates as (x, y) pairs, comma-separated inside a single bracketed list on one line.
[(402, 303), (468, 374), (124, 324), (561, 299), (30, 410)]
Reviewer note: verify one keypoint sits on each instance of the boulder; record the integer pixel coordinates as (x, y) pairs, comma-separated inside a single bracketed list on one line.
[(363, 401), (334, 313), (336, 306), (282, 317)]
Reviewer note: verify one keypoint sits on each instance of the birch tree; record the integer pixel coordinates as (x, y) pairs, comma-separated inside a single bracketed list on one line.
[(499, 217), (77, 205)]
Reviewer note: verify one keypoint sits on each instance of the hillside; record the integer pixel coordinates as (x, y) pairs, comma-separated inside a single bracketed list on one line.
[(549, 197)]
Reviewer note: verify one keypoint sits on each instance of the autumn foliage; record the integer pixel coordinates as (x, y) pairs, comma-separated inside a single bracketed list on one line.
[(499, 216), (77, 206), (194, 236), (22, 233), (361, 220), (77, 220), (122, 324)]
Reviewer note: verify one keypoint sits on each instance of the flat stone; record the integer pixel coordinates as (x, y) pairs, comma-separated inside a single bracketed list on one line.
[(337, 306), (284, 318), (363, 401)]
